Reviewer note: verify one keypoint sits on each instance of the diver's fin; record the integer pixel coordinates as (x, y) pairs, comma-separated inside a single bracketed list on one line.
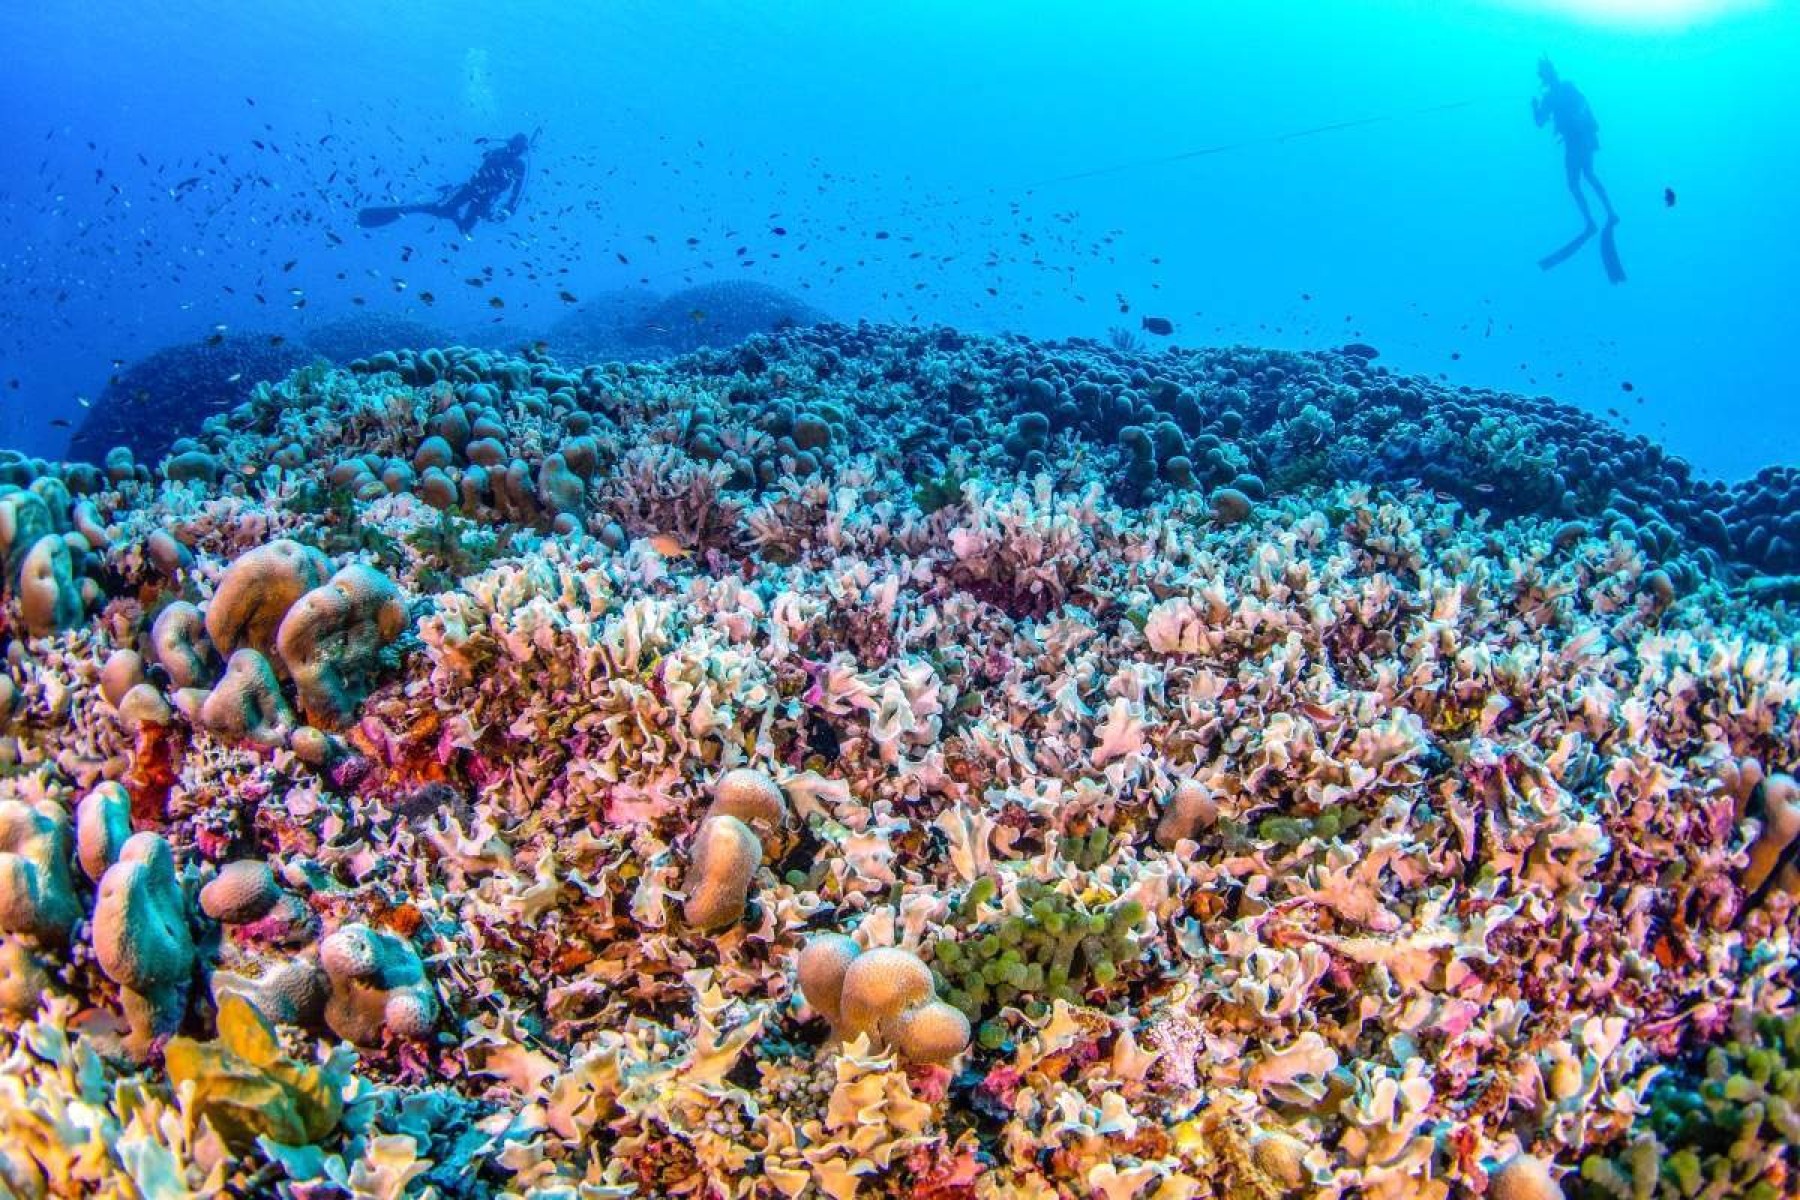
[(1564, 253), (1609, 253), (375, 218)]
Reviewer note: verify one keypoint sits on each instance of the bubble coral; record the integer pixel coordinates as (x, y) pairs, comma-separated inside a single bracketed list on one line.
[(1058, 948), (1721, 1123)]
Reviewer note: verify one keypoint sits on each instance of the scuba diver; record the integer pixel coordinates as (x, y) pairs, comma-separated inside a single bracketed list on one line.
[(1561, 104), (501, 173)]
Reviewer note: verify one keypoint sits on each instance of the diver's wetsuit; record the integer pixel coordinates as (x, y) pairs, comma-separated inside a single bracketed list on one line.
[(502, 170), (1562, 103)]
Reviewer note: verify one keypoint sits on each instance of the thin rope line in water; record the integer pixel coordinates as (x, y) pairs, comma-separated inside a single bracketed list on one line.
[(1273, 139)]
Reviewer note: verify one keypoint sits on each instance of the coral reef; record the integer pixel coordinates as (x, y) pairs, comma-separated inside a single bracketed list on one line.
[(867, 762), (150, 404)]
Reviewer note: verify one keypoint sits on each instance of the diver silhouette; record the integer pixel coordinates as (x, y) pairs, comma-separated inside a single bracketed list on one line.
[(501, 173), (1561, 104)]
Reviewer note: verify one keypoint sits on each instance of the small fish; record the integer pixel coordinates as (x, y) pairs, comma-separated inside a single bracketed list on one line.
[(567, 297), (428, 298), (60, 422), (1160, 326), (667, 546), (13, 384), (1668, 197), (496, 302), (234, 378), (1626, 386), (213, 339), (697, 316)]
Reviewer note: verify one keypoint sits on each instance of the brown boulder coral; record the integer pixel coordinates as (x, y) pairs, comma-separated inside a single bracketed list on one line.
[(378, 986), (247, 704), (332, 638), (49, 599), (726, 855), (257, 590), (178, 640), (885, 992)]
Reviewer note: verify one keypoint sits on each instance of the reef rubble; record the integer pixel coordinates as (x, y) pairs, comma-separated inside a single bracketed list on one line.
[(870, 761)]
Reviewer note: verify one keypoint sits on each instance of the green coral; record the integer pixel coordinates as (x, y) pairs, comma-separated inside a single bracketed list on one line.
[(339, 529), (940, 491), (1727, 1128), (1057, 949), (1291, 831), (246, 1088), (454, 548), (1088, 851)]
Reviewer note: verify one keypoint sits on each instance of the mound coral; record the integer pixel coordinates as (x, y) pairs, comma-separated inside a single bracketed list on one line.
[(141, 938), (256, 592), (331, 640), (378, 986), (884, 992)]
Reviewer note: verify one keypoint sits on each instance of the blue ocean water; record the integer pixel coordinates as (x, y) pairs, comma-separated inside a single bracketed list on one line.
[(1295, 175)]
